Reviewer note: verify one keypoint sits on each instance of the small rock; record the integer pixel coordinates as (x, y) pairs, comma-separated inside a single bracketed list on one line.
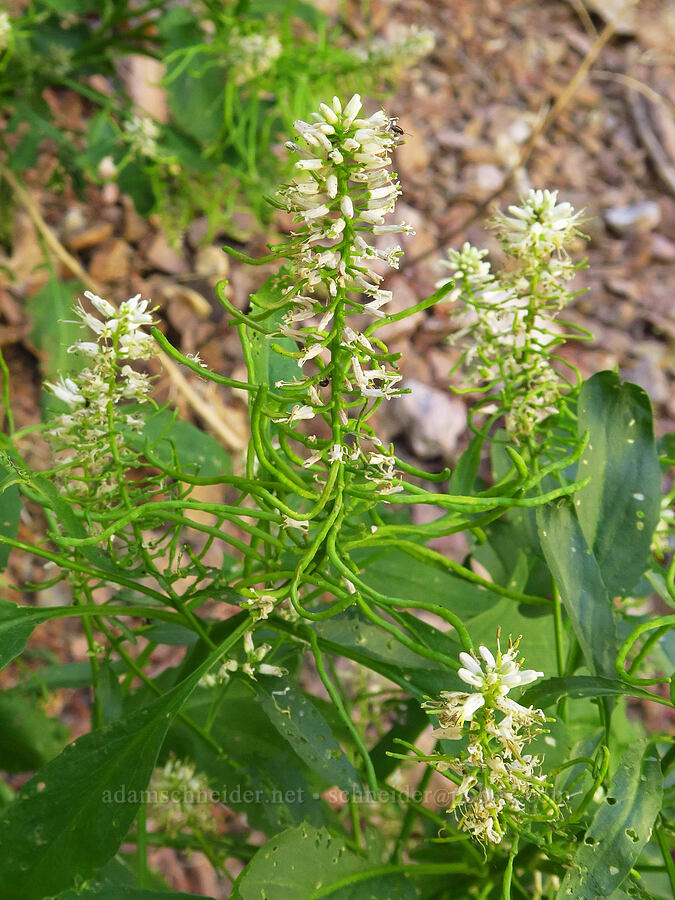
[(639, 218), (197, 231), (433, 420), (662, 249), (161, 255), (412, 157), (135, 227), (484, 180), (110, 264), (212, 263), (85, 236)]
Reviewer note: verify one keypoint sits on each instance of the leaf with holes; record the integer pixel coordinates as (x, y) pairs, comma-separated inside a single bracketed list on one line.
[(72, 816), (308, 863), (298, 720), (620, 828), (619, 508), (582, 590)]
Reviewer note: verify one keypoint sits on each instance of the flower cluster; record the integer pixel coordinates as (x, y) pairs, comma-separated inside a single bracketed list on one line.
[(97, 395), (253, 664), (496, 777), (402, 51), (142, 133), (5, 29), (179, 796), (251, 55), (508, 317), (341, 194)]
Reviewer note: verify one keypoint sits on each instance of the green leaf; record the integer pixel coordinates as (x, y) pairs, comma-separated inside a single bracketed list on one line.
[(545, 693), (396, 574), (538, 646), (306, 863), (269, 366), (72, 816), (261, 775), (351, 636), (463, 478), (620, 828), (28, 737), (298, 720), (16, 626), (196, 91), (619, 509), (167, 434), (55, 328), (581, 587), (10, 510), (109, 692), (108, 891)]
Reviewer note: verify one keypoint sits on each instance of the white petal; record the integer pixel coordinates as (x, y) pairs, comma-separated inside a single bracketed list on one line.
[(470, 678), (487, 656), (470, 663), (474, 702)]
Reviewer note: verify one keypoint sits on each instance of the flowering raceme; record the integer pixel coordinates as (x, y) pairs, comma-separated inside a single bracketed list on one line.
[(340, 196), (509, 316), (96, 396), (496, 777)]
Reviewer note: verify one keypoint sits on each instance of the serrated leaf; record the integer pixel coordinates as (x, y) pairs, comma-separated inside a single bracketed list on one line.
[(299, 722), (72, 816), (581, 587), (305, 863), (619, 508), (620, 828)]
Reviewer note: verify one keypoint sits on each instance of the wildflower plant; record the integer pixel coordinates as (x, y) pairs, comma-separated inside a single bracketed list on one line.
[(227, 604)]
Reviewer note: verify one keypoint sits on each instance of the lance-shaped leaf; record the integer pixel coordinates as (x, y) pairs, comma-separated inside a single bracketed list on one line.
[(551, 690), (620, 828), (16, 626), (619, 508), (72, 816), (582, 590), (298, 720), (310, 863)]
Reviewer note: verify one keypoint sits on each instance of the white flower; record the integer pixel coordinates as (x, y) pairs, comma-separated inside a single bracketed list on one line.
[(260, 607), (5, 29), (297, 414), (142, 133), (539, 222), (67, 390)]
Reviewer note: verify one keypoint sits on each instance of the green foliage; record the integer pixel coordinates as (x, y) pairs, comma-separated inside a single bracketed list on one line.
[(55, 834), (280, 645), (620, 828), (28, 737), (310, 863), (237, 76), (619, 508)]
